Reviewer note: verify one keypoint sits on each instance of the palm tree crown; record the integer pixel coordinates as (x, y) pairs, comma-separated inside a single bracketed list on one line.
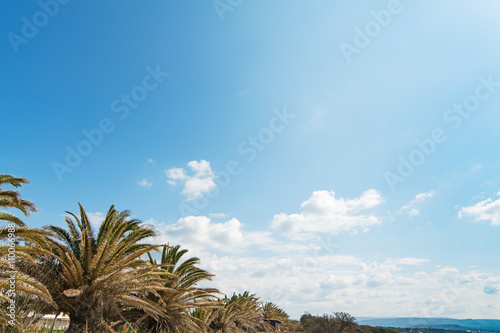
[(12, 199), (93, 277), (181, 297)]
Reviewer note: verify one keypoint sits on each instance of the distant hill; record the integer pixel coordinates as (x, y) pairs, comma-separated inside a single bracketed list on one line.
[(490, 325)]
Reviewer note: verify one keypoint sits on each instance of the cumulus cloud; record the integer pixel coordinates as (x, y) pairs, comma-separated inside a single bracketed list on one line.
[(337, 282), (379, 279), (487, 210), (150, 161), (201, 180), (323, 212), (199, 232), (255, 260), (299, 282), (412, 208), (176, 174), (144, 183)]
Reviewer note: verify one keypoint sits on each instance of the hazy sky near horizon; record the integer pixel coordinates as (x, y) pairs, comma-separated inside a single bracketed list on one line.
[(326, 155)]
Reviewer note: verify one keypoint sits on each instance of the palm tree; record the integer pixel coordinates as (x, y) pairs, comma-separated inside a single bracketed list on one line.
[(271, 312), (29, 292), (95, 277), (207, 316), (181, 297), (30, 295), (12, 199), (241, 312), (221, 320)]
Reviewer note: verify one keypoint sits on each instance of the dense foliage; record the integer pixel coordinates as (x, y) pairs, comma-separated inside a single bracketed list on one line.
[(339, 322)]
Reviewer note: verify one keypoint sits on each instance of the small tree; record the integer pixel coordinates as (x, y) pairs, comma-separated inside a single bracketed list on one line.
[(344, 321)]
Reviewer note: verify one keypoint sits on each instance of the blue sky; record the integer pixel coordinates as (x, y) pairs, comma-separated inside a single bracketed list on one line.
[(328, 156)]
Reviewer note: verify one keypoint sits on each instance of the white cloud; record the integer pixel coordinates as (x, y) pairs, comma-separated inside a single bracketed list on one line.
[(200, 182), (447, 271), (487, 210), (200, 233), (305, 271), (96, 218), (312, 280), (379, 279), (301, 283), (411, 208), (411, 261), (471, 277), (422, 196), (322, 212), (144, 183), (337, 282), (150, 161), (175, 174)]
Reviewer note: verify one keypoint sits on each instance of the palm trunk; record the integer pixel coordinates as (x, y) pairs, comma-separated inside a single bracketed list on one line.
[(78, 322), (76, 327)]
